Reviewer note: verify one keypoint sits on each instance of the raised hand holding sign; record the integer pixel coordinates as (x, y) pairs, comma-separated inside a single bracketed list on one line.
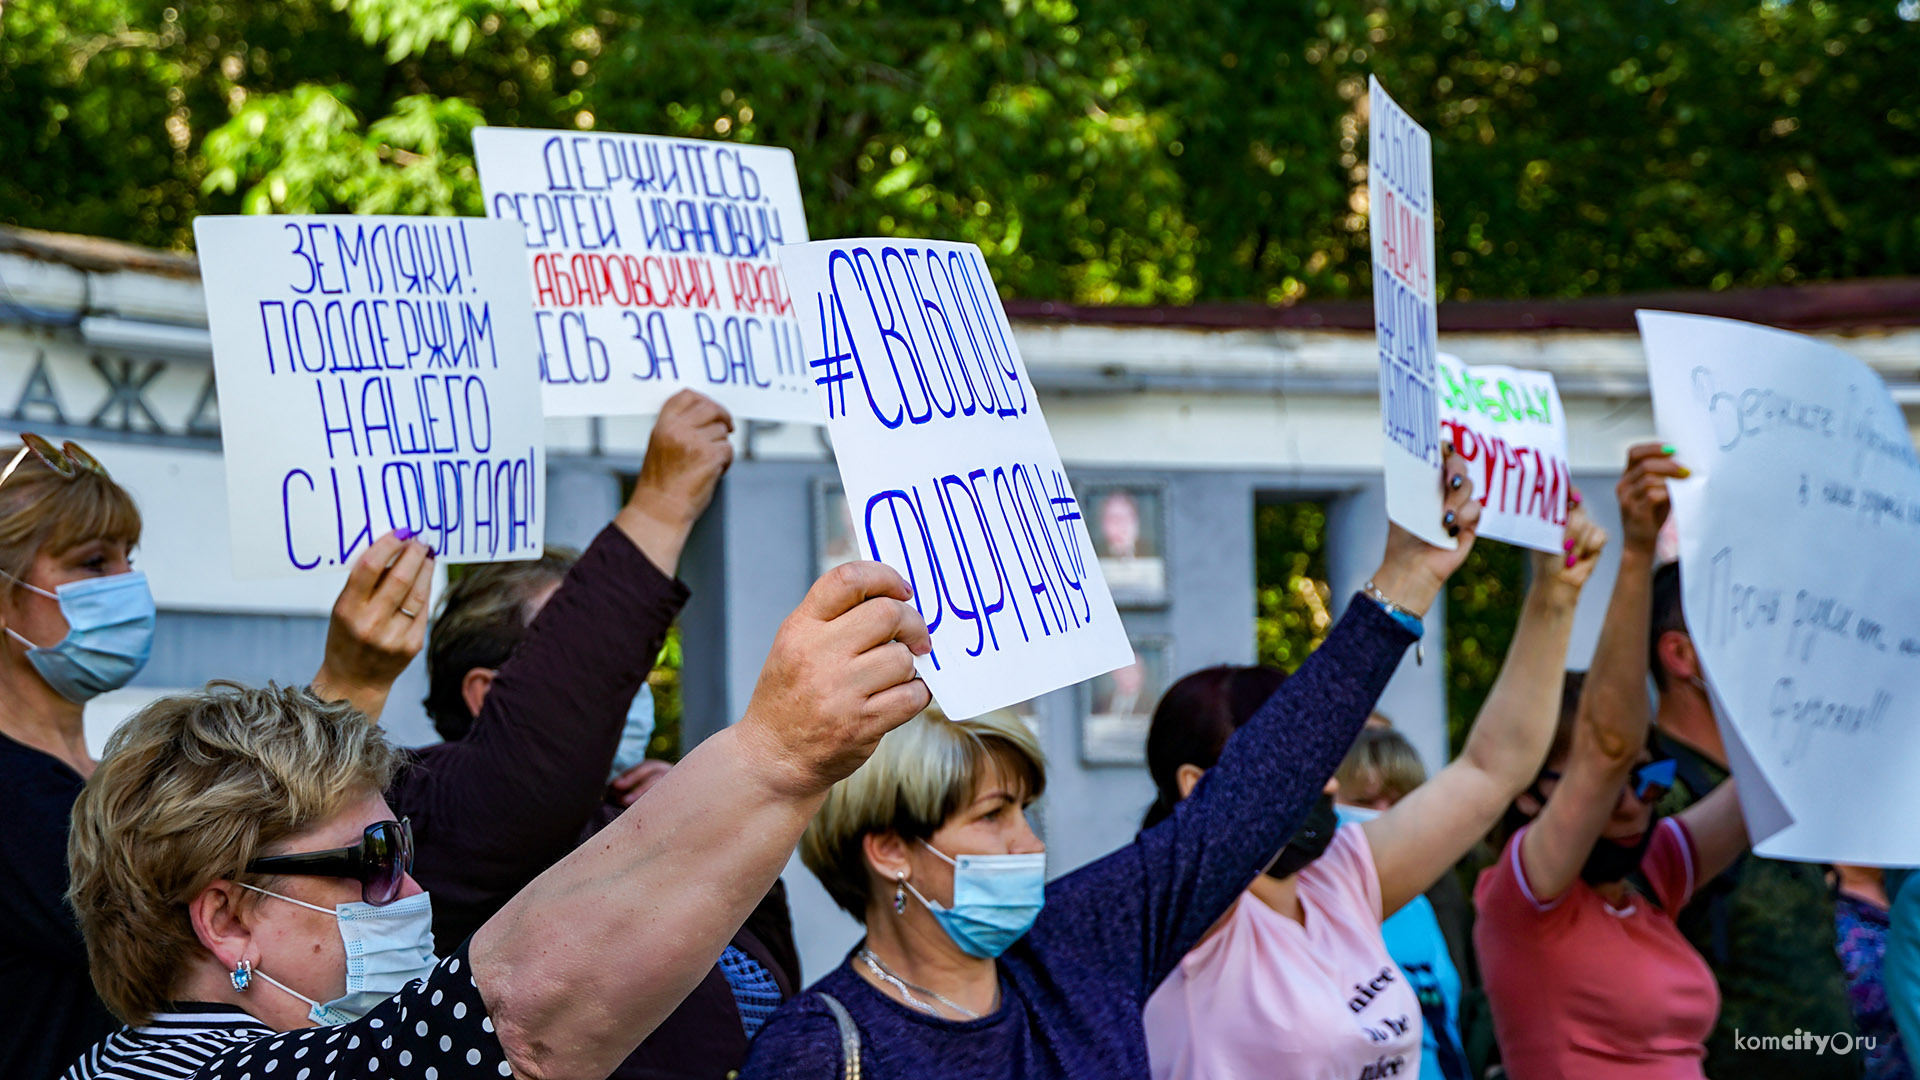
[(950, 472), (375, 373), (1799, 531)]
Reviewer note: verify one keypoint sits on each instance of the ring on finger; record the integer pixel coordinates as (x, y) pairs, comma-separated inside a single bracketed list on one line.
[(409, 613)]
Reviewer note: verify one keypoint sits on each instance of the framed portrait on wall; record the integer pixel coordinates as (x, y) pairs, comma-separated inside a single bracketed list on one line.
[(833, 539), (1127, 523), (1113, 730)]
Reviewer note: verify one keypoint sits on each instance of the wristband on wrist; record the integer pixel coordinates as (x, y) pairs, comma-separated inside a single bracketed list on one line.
[(1401, 614)]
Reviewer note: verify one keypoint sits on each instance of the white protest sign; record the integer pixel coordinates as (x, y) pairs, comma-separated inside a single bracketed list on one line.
[(1799, 534), (653, 268), (1506, 424), (374, 373), (950, 472), (1405, 313)]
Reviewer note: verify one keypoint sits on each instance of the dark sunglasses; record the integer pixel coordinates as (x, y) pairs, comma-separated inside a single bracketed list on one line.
[(67, 461), (1648, 782), (381, 862)]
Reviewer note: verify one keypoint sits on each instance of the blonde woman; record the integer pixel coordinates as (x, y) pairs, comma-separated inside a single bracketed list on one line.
[(974, 965), (244, 887)]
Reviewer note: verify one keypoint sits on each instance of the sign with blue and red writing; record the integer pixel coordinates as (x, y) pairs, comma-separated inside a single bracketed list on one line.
[(375, 373), (1405, 313), (653, 268), (950, 472)]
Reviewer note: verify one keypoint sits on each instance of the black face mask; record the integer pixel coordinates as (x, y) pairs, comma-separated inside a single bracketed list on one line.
[(1611, 861), (1608, 862), (1311, 842)]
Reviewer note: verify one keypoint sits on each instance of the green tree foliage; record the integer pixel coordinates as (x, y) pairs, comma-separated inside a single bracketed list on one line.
[(1119, 152), (1483, 608), (1293, 609)]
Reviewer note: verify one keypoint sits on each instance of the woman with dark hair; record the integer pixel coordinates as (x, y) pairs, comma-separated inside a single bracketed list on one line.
[(1587, 974), (1295, 979)]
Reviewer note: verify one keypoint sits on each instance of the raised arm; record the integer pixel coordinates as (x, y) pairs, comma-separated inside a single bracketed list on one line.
[(589, 958), (1610, 728), (1429, 830), (505, 802), (1719, 831), (379, 623), (1153, 900)]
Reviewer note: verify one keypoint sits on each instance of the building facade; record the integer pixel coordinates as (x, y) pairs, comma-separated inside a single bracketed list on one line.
[(1174, 422)]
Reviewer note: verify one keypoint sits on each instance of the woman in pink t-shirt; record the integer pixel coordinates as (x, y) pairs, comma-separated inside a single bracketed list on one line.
[(1295, 980), (1587, 975)]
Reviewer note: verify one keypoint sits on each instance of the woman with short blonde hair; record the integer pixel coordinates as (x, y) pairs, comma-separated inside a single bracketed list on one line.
[(923, 773), (247, 896), (190, 793), (974, 966)]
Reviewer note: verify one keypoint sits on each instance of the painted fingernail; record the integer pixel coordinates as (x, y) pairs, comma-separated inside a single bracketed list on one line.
[(1448, 520), (432, 552), (1570, 560), (1668, 449), (403, 533), (1568, 546), (1453, 530), (1683, 473), (1573, 499), (1454, 482)]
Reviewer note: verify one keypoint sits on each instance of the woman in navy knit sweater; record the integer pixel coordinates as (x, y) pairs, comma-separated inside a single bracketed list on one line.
[(963, 973)]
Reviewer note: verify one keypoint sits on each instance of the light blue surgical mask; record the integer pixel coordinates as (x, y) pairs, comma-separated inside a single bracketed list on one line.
[(637, 734), (1354, 815), (109, 635), (387, 947), (996, 898)]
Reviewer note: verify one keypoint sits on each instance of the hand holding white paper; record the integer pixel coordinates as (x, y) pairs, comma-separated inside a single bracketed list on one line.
[(1799, 531), (1508, 426), (950, 472), (375, 373)]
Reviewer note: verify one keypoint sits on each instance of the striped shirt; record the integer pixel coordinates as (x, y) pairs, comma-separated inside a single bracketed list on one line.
[(437, 1027), (171, 1046)]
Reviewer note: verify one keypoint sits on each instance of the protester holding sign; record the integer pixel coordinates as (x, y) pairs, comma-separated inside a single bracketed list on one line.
[(1762, 924), (974, 966), (79, 622), (1297, 977), (1588, 977), (222, 819), (523, 651)]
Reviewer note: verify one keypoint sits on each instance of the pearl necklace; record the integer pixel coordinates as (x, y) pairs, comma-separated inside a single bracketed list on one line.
[(907, 989)]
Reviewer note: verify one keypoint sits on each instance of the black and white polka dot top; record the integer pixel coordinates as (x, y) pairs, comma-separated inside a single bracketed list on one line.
[(435, 1029)]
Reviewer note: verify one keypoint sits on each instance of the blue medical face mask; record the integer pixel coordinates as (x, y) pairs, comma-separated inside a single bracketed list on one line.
[(637, 734), (387, 947), (109, 635), (996, 898)]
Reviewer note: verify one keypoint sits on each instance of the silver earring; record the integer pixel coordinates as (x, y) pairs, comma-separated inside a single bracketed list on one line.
[(242, 975), (900, 894)]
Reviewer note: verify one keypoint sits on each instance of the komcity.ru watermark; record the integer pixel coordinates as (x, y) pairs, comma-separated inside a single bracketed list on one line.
[(1803, 1041)]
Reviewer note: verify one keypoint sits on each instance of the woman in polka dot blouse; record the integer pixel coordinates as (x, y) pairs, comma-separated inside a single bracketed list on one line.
[(245, 896)]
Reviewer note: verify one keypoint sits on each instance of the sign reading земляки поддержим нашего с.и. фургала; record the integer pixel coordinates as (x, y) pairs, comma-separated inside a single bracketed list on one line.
[(653, 268), (375, 373), (951, 475)]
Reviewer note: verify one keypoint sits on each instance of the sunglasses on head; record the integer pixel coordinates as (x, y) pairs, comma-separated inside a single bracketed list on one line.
[(381, 862), (67, 461), (1648, 781)]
